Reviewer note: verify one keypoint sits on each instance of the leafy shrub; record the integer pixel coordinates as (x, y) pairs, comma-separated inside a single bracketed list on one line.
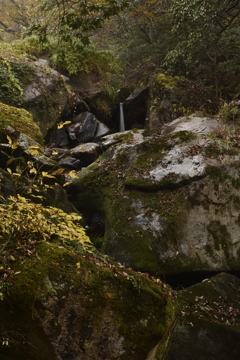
[(23, 223)]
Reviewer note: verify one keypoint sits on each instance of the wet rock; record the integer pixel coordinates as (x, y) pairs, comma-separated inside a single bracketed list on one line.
[(58, 138), (70, 163), (84, 127), (102, 130), (56, 153), (87, 153)]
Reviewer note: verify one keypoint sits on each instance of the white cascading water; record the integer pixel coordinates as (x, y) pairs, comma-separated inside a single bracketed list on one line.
[(122, 123)]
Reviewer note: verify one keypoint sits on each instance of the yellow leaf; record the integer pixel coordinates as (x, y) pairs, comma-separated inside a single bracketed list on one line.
[(61, 124), (33, 171), (73, 173), (10, 161), (12, 258), (67, 183), (55, 153), (38, 196), (15, 145), (9, 139), (34, 152), (78, 265), (9, 170), (45, 174), (58, 172)]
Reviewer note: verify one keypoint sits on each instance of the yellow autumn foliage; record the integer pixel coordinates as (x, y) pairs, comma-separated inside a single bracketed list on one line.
[(22, 220)]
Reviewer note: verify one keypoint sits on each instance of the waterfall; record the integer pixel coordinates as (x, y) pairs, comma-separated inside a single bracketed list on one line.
[(122, 123)]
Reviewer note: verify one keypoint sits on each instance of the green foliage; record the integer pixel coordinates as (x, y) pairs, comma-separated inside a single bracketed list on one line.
[(78, 57), (73, 19), (10, 89), (140, 35), (23, 223), (206, 41)]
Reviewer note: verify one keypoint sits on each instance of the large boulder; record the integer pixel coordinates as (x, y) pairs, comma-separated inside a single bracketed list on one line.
[(35, 87), (172, 97), (57, 304), (171, 202), (209, 325), (14, 120), (82, 128)]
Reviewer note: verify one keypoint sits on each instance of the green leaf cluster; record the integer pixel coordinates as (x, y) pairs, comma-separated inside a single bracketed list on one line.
[(22, 221)]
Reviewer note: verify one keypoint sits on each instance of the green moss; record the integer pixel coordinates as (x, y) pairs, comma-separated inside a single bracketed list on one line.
[(141, 309), (165, 80), (220, 147), (21, 120), (124, 137)]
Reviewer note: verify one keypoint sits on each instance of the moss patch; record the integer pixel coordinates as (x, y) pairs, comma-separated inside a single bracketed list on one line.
[(21, 120), (62, 290), (166, 81)]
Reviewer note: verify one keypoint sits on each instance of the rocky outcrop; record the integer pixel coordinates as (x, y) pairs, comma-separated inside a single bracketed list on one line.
[(209, 326), (172, 97), (37, 88), (65, 306), (170, 201)]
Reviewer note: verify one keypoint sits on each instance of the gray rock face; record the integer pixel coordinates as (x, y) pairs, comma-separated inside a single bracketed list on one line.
[(86, 127), (87, 153), (193, 123), (70, 163), (46, 96), (174, 204)]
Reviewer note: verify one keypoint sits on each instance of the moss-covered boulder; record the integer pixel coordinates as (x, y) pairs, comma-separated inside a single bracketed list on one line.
[(60, 305), (209, 325), (35, 87), (20, 120), (172, 97), (170, 202)]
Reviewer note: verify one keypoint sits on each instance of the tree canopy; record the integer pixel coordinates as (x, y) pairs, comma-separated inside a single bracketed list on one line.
[(198, 39)]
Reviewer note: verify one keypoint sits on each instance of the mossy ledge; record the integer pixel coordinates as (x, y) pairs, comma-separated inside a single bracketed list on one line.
[(20, 120), (56, 291)]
